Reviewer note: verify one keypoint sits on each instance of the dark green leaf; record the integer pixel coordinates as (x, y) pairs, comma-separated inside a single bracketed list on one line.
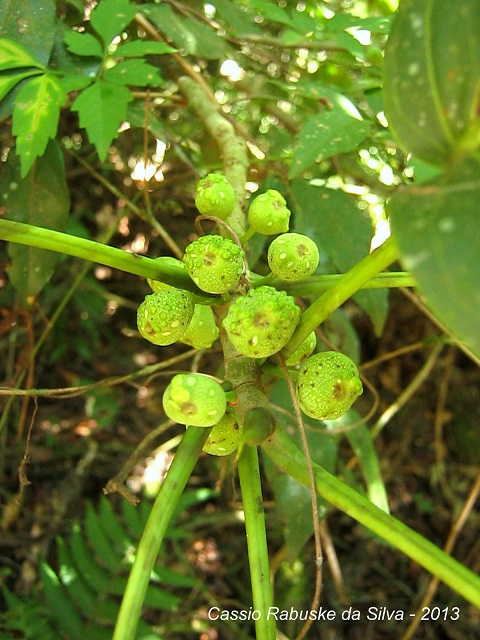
[(15, 56), (42, 199), (110, 17), (140, 48), (436, 227), (272, 12), (35, 117), (83, 44), (31, 23), (102, 107), (135, 72), (331, 218), (237, 18), (336, 130), (432, 78), (194, 37)]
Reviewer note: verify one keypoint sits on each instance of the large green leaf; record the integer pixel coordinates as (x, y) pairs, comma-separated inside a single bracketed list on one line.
[(42, 199), (432, 77), (336, 130), (35, 117), (331, 218), (437, 228), (101, 109), (31, 23)]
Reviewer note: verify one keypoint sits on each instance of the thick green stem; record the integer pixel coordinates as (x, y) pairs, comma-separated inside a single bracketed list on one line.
[(96, 252), (289, 458), (250, 484), (154, 532), (232, 147), (349, 284)]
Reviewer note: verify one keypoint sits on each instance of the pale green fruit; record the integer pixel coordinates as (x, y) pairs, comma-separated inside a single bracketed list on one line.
[(225, 436), (268, 213), (303, 351), (214, 263), (215, 196), (202, 331), (293, 256), (194, 399), (163, 317), (260, 323), (328, 384)]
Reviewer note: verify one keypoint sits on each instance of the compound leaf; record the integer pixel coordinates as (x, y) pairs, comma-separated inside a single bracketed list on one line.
[(35, 117), (135, 72), (83, 44), (110, 17), (101, 109)]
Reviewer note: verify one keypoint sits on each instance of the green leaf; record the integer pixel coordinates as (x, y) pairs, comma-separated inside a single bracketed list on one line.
[(135, 72), (110, 17), (436, 229), (102, 107), (15, 56), (83, 44), (35, 117), (7, 82), (140, 48), (30, 23), (331, 218), (60, 604), (334, 131), (100, 541), (432, 78), (239, 21), (194, 37), (41, 198)]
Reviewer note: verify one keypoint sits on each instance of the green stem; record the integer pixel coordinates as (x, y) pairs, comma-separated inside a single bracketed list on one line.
[(348, 284), (154, 532), (318, 284), (289, 458), (233, 149), (96, 252), (251, 487)]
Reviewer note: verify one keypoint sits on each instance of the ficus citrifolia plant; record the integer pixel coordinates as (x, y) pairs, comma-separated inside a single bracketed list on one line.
[(211, 292)]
